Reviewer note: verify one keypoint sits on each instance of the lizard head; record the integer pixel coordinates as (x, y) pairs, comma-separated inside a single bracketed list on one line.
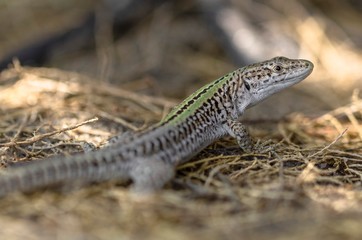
[(266, 78)]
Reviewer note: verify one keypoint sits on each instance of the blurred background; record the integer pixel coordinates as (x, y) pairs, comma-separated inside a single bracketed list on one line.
[(170, 48)]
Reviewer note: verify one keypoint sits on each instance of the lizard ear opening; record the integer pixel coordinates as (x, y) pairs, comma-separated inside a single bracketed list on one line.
[(247, 85)]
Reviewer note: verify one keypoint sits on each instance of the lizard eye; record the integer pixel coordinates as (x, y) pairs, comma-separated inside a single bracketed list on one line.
[(277, 68)]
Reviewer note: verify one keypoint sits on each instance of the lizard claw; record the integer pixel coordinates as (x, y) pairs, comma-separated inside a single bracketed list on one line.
[(264, 147)]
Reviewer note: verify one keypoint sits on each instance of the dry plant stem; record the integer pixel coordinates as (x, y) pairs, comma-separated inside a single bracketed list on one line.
[(145, 101), (281, 169), (21, 127), (354, 122), (213, 173), (329, 145), (349, 111), (358, 157), (148, 102), (118, 120), (136, 97), (60, 144), (354, 107), (285, 135), (235, 175), (334, 121), (307, 174), (45, 135), (358, 173)]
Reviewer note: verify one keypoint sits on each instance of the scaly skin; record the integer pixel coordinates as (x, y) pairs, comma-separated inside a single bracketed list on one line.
[(149, 157)]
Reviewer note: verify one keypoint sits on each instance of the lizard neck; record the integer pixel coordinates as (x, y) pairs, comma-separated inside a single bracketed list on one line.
[(226, 93)]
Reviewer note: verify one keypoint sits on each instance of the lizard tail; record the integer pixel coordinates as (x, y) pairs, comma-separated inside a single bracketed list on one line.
[(80, 169)]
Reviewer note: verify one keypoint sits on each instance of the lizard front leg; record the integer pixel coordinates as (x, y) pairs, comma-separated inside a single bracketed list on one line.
[(238, 130)]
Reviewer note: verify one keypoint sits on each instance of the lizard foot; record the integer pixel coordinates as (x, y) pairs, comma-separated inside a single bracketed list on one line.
[(263, 147)]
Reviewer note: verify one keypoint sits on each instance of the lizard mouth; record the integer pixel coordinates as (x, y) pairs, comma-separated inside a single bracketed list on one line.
[(299, 76)]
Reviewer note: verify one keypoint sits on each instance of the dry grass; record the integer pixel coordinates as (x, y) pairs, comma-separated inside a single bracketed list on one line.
[(307, 186)]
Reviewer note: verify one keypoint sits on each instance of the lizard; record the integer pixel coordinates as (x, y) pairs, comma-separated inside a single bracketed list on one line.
[(149, 158)]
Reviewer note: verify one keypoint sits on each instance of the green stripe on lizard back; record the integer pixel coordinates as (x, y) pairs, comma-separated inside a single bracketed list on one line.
[(194, 101)]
